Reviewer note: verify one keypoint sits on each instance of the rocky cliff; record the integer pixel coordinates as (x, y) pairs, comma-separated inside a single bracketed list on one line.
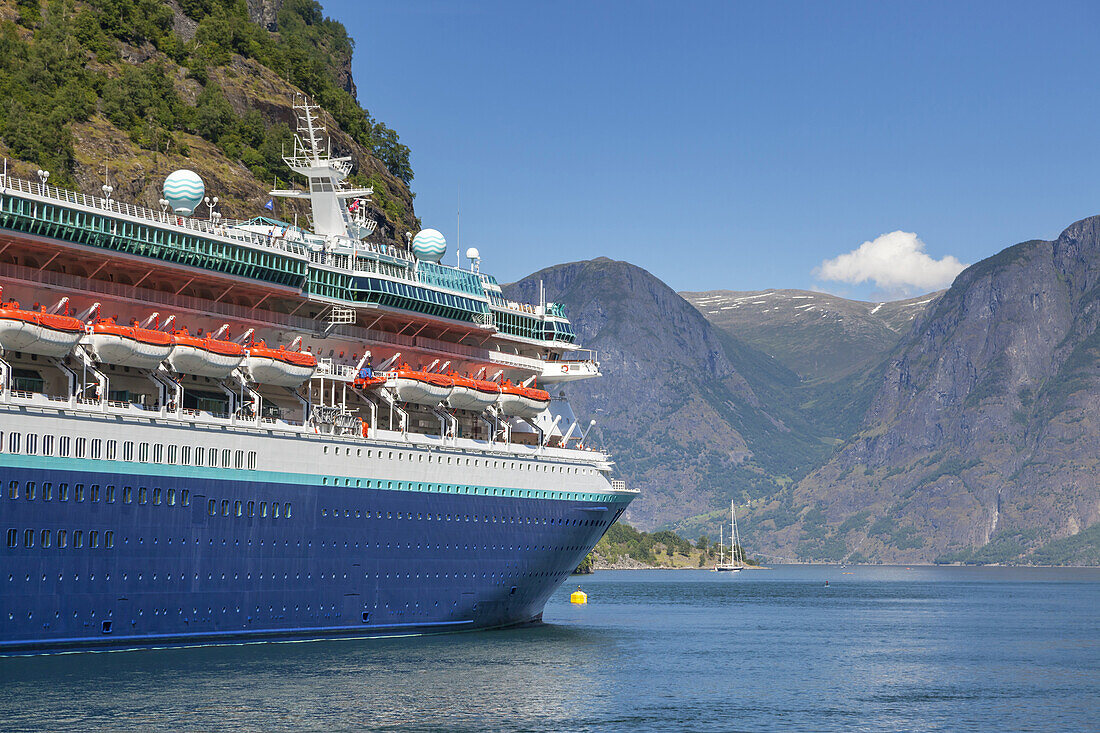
[(692, 414), (982, 440)]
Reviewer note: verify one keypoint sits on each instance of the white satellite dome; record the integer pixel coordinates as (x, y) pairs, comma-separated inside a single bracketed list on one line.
[(183, 190), (473, 254)]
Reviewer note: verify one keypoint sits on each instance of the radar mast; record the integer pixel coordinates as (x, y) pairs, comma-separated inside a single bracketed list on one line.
[(327, 194)]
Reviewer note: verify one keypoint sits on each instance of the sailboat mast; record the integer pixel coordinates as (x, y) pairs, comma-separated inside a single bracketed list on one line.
[(737, 534)]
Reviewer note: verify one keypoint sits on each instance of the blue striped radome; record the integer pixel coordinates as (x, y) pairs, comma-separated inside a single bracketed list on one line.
[(183, 189), (429, 245)]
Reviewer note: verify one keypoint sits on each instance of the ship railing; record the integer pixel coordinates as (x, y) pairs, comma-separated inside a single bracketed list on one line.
[(326, 367), (223, 228), (588, 355), (394, 438)]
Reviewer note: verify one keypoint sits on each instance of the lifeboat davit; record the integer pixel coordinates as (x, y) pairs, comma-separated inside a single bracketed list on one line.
[(46, 334), (278, 367), (524, 402), (204, 356), (472, 394), (130, 346), (421, 388)]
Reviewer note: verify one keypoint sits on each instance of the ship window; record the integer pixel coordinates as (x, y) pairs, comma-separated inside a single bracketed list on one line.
[(32, 444), (128, 450), (171, 497), (47, 491), (62, 492), (172, 450), (251, 460), (28, 538), (325, 451), (45, 539), (286, 511), (97, 448), (226, 458), (13, 537), (156, 497), (225, 507), (78, 538), (199, 455), (127, 495), (158, 453), (185, 497), (237, 508), (93, 539), (47, 445), (185, 455), (275, 510), (263, 508), (81, 447), (110, 494), (251, 508), (31, 492), (143, 495), (108, 539), (62, 539), (112, 450), (238, 459), (13, 442), (13, 490), (212, 507), (63, 444)]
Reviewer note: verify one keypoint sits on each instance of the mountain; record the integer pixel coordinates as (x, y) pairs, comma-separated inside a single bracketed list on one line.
[(982, 440), (816, 335), (133, 90), (692, 414)]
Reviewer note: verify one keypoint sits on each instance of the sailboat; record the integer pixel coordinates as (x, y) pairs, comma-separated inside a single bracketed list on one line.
[(736, 560)]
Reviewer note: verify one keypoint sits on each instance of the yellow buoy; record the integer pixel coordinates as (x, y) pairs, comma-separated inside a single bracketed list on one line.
[(579, 597)]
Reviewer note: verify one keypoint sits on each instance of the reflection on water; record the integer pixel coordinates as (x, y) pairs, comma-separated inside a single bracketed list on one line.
[(881, 648)]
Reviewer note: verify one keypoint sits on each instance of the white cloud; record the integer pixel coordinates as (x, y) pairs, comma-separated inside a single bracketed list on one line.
[(895, 262)]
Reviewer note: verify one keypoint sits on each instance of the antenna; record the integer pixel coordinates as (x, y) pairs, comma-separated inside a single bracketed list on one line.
[(458, 230)]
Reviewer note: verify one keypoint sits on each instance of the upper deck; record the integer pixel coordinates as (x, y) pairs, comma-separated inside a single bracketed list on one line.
[(337, 271)]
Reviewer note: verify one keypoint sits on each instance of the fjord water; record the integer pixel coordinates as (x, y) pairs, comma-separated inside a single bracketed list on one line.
[(879, 648)]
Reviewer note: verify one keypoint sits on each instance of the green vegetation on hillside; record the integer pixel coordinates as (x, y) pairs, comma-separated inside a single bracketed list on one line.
[(65, 61), (658, 549)]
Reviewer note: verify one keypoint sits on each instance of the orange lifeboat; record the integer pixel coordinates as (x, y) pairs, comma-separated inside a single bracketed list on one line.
[(524, 402), (472, 394), (204, 356), (421, 388), (38, 332), (131, 346), (278, 367)]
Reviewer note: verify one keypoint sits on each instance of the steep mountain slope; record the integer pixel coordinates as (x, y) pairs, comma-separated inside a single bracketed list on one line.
[(131, 91), (983, 438), (816, 335), (692, 414)]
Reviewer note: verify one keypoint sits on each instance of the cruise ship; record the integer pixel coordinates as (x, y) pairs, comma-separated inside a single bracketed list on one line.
[(218, 431)]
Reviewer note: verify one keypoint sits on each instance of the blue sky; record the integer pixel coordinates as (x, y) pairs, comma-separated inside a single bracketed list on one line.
[(740, 145)]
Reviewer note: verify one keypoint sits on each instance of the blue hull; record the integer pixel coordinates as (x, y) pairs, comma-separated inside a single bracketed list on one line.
[(221, 564)]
